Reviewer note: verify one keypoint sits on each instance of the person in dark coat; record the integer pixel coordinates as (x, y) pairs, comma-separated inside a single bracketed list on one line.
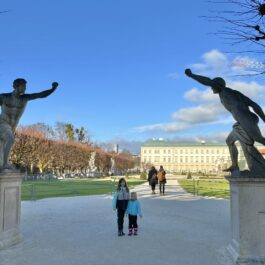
[(152, 178)]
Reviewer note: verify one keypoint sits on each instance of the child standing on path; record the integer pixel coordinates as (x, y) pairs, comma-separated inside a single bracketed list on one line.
[(133, 209), (120, 203)]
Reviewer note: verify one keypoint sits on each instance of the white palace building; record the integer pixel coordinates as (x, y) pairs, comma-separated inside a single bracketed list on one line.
[(180, 157)]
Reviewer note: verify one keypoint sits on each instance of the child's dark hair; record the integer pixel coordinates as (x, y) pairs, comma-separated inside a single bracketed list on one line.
[(119, 184)]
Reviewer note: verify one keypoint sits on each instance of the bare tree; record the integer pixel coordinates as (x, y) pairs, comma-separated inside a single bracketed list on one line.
[(242, 23)]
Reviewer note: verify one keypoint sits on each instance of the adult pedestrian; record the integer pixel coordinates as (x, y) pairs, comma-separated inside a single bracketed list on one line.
[(152, 178), (161, 175)]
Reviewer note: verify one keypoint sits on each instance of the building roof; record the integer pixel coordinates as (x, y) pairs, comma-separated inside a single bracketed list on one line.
[(160, 143)]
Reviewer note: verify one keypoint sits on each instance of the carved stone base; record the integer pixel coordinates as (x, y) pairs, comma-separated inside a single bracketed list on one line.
[(247, 220), (10, 204)]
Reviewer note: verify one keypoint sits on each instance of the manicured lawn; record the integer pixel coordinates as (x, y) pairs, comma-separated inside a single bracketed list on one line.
[(213, 188), (71, 187)]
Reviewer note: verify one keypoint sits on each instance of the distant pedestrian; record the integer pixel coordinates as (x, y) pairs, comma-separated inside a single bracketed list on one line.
[(152, 178), (120, 203), (133, 209), (161, 175)]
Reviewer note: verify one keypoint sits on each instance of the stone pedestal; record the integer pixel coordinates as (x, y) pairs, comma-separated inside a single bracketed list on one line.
[(247, 220), (10, 204)]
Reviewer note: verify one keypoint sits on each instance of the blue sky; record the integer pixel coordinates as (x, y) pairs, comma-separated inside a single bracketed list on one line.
[(120, 66)]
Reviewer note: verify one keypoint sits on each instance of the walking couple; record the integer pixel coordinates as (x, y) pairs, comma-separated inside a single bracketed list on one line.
[(157, 177)]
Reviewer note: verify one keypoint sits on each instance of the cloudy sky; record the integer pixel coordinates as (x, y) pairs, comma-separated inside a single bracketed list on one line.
[(120, 65)]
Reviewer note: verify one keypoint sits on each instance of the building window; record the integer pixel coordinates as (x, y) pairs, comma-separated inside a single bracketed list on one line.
[(180, 151), (157, 159), (164, 159), (168, 159), (145, 152), (202, 151), (196, 151), (165, 151), (168, 151), (207, 151), (186, 159), (157, 151), (149, 151)]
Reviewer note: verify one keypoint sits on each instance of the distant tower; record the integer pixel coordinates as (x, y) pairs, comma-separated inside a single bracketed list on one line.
[(116, 148)]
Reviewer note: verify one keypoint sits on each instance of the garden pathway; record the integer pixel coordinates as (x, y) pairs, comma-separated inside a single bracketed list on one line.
[(177, 229)]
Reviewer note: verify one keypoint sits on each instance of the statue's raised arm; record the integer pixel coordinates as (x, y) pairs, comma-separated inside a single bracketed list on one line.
[(201, 79), (42, 94)]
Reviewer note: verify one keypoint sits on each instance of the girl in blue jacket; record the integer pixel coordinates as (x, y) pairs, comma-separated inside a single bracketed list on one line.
[(120, 202), (133, 209)]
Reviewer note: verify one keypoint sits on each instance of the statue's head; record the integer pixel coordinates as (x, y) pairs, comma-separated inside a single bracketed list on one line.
[(19, 86), (218, 84)]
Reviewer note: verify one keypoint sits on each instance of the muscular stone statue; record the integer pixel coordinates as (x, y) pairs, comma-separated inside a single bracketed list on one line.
[(13, 105), (245, 130)]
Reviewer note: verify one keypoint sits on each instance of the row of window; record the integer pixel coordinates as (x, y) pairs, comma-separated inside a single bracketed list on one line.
[(190, 159), (187, 151)]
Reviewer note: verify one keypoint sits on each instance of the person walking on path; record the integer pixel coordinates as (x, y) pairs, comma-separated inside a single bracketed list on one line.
[(120, 203), (161, 175), (133, 209), (152, 178)]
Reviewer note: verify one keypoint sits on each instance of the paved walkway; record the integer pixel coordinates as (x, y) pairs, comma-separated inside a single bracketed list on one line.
[(176, 229)]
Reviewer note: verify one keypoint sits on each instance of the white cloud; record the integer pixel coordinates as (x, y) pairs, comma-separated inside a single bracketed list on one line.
[(209, 109), (250, 89), (174, 76), (214, 62), (164, 127), (199, 114), (206, 95)]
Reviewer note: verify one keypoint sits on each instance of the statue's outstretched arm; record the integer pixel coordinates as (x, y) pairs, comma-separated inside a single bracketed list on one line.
[(201, 79), (42, 94), (255, 107)]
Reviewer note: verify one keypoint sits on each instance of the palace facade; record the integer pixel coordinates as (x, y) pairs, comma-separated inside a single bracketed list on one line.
[(180, 157)]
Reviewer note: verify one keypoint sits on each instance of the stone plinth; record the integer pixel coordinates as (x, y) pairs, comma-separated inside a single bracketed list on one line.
[(10, 204), (247, 220)]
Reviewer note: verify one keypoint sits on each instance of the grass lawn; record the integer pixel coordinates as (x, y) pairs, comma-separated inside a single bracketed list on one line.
[(40, 189), (211, 187)]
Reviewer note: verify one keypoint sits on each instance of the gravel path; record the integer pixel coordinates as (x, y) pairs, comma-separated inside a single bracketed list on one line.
[(177, 229)]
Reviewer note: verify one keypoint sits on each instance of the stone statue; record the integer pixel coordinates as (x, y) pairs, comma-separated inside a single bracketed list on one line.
[(112, 166), (91, 162), (12, 106), (245, 130)]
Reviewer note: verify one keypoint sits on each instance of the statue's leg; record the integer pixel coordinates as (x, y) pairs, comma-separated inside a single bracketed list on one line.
[(256, 135), (230, 141), (8, 142)]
